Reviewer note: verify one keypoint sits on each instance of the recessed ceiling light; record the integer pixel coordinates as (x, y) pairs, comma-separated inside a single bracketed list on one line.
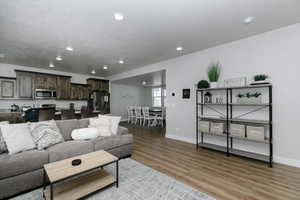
[(118, 16), (69, 48), (51, 65), (248, 20), (58, 58), (144, 82), (93, 71), (179, 48), (105, 67), (2, 55), (121, 61)]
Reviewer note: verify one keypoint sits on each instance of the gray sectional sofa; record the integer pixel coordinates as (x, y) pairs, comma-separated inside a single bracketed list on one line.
[(24, 171)]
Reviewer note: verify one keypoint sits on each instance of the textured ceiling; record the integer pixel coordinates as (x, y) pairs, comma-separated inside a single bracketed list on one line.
[(33, 32)]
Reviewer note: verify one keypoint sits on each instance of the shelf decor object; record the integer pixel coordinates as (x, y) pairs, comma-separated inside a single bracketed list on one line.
[(203, 84), (213, 73), (236, 127), (204, 126), (235, 82), (249, 98), (217, 128), (256, 133), (260, 79), (237, 130)]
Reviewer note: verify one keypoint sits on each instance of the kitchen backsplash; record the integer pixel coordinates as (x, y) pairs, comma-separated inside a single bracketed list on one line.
[(5, 104)]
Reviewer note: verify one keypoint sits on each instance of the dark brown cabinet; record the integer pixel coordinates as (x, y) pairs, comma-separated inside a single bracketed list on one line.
[(79, 91), (25, 84), (63, 88), (45, 81), (98, 85)]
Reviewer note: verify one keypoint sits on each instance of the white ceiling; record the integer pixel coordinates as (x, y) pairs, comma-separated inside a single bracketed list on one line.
[(152, 79), (33, 32)]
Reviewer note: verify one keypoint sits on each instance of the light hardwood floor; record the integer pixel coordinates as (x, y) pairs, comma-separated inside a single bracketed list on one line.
[(228, 178)]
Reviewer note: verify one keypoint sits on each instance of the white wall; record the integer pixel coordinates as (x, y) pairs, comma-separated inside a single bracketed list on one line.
[(8, 70), (275, 53), (123, 96)]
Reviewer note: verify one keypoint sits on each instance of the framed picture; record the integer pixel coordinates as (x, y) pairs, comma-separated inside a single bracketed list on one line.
[(7, 89), (186, 93), (235, 82)]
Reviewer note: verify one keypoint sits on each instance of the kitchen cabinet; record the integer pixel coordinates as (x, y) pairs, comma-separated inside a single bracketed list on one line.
[(45, 81), (25, 84), (79, 91), (98, 85), (63, 88)]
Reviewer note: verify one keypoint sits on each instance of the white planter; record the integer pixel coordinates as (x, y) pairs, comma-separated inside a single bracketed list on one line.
[(213, 84)]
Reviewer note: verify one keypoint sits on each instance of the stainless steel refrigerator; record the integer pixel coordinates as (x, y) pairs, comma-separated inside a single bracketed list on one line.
[(99, 101)]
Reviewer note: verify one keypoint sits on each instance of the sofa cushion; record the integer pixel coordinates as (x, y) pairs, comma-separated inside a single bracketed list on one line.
[(66, 127), (12, 165), (84, 123), (45, 134), (122, 130), (69, 149), (17, 138), (106, 143)]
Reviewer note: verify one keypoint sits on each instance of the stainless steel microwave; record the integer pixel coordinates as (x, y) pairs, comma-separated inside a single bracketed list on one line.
[(45, 94)]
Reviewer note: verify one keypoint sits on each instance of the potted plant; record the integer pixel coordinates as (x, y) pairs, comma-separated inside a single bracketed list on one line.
[(214, 74), (203, 84), (260, 79)]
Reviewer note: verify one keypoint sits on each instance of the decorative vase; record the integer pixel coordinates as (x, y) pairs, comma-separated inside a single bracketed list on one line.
[(213, 84)]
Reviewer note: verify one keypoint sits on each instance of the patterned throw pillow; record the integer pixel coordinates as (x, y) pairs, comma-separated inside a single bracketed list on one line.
[(45, 134), (3, 147)]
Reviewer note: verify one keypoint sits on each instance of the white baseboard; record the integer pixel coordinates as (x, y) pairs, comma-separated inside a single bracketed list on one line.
[(277, 159), (287, 161), (184, 139)]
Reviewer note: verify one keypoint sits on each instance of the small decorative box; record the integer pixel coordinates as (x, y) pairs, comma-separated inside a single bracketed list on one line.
[(256, 132), (237, 130), (217, 128), (204, 126)]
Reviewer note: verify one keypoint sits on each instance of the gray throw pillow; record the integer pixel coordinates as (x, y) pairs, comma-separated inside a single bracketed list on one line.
[(45, 134), (3, 147)]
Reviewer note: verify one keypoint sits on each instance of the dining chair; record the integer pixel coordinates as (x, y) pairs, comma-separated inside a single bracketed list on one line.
[(138, 115), (162, 118), (68, 114), (130, 114), (147, 118)]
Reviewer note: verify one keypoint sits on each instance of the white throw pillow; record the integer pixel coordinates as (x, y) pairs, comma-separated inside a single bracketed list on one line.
[(114, 121), (45, 134), (3, 147), (103, 126), (17, 137), (85, 133)]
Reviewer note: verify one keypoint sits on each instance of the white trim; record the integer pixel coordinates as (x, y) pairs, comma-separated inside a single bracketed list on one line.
[(287, 161), (277, 159)]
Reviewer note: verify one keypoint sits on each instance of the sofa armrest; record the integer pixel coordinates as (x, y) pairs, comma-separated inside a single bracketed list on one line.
[(122, 130)]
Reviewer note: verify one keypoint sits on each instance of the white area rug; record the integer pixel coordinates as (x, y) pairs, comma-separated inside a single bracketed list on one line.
[(138, 182)]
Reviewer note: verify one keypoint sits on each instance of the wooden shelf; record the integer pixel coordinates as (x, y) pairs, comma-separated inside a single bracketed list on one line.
[(250, 104), (214, 134), (237, 88), (213, 146), (250, 121), (212, 104), (251, 140), (81, 186), (247, 154)]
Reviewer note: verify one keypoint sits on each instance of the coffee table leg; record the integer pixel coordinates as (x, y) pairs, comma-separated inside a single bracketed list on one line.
[(44, 185), (117, 173), (51, 191)]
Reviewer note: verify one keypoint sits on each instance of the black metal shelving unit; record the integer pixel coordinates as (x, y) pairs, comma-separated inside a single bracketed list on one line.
[(228, 118)]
